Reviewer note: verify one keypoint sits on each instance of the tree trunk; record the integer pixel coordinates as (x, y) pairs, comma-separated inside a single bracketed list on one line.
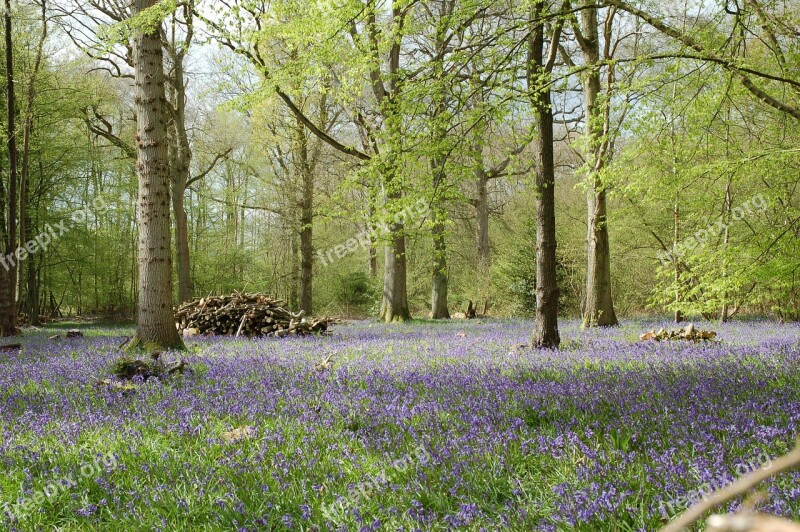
[(182, 244), (26, 232), (303, 165), (599, 310), (676, 260), (180, 157), (182, 163), (545, 332), (373, 261), (181, 176), (155, 320), (395, 296), (440, 278), (482, 223), (373, 248), (294, 262), (724, 314), (8, 277)]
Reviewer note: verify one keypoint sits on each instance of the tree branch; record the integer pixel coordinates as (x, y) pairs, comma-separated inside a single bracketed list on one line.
[(695, 45)]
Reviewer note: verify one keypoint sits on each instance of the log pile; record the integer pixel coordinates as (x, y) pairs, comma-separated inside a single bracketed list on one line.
[(684, 333), (244, 314)]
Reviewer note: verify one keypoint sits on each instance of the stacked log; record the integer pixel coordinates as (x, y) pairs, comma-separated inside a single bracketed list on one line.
[(684, 333), (244, 314)]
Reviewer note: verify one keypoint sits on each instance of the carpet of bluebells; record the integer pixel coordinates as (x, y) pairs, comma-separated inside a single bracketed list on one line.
[(421, 426)]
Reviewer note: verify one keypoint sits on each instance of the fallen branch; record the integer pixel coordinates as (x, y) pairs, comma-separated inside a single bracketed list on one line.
[(740, 487)]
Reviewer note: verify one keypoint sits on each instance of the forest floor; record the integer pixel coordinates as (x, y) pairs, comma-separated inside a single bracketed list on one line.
[(422, 426)]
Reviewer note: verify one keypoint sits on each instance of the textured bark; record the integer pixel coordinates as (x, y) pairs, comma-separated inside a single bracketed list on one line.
[(599, 309), (181, 152), (395, 288), (8, 276), (373, 261), (724, 314), (482, 222), (294, 260), (303, 165), (155, 321), (440, 279), (386, 88), (373, 248), (182, 249), (438, 163), (307, 260), (183, 156), (395, 296), (26, 225), (676, 261), (545, 332)]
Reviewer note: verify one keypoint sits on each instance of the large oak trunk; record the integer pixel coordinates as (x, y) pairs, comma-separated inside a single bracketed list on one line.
[(395, 297), (155, 321), (599, 308), (545, 332)]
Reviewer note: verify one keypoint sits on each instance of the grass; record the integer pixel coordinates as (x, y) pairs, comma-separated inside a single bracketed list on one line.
[(418, 426)]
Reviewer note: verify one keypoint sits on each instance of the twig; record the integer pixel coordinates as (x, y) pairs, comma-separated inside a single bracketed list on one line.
[(741, 486), (239, 331)]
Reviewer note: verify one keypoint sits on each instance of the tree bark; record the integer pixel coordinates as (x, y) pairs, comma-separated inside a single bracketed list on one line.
[(26, 228), (303, 165), (395, 297), (395, 288), (155, 320), (373, 261), (183, 156), (373, 248), (440, 280), (482, 223), (180, 152), (724, 314), (8, 275), (676, 260), (599, 310), (307, 255), (182, 244), (294, 261), (545, 332)]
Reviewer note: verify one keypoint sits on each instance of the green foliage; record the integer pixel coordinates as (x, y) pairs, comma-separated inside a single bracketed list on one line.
[(355, 289), (147, 21), (516, 274)]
